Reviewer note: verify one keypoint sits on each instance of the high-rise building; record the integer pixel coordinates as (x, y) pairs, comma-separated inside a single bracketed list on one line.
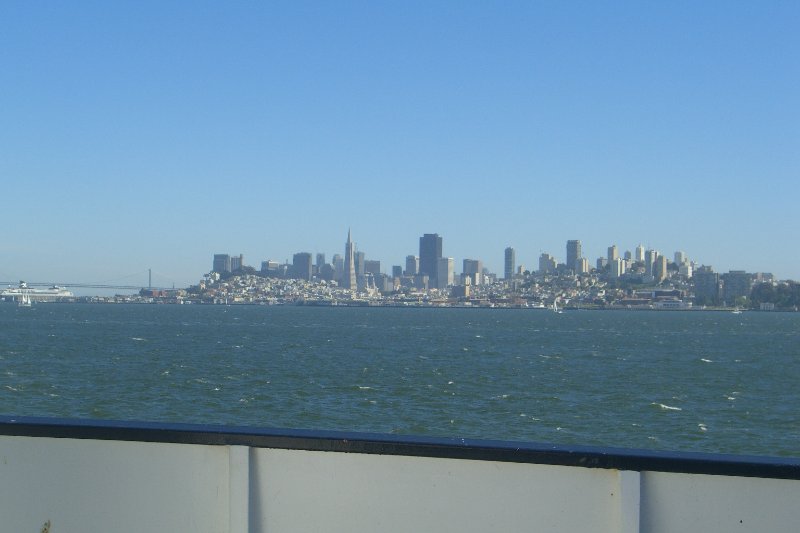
[(602, 263), (237, 262), (547, 264), (706, 286), (582, 266), (445, 272), (397, 271), (348, 277), (736, 284), (510, 263), (680, 258), (412, 265), (660, 268), (650, 257), (638, 255), (360, 259), (320, 260), (617, 267), (301, 266), (430, 251), (573, 253), (613, 254), (473, 268), (222, 263), (372, 266)]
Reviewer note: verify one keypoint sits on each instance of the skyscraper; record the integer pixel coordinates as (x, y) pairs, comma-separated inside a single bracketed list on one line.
[(349, 273), (301, 266), (573, 253), (430, 251), (510, 262), (639, 254), (412, 265), (222, 263), (445, 272), (613, 254)]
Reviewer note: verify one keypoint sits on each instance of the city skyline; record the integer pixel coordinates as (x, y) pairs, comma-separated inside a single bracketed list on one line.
[(138, 136)]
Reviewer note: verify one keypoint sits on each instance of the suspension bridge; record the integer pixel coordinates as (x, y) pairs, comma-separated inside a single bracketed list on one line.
[(99, 285)]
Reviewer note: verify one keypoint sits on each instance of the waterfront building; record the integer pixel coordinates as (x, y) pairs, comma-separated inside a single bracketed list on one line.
[(348, 277), (445, 272), (736, 284), (222, 263), (706, 286), (430, 251), (510, 260), (412, 265), (613, 254), (547, 264), (639, 254), (301, 266), (573, 253)]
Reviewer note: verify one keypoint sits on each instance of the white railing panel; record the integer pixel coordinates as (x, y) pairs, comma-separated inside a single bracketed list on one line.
[(302, 491), (89, 485), (677, 503)]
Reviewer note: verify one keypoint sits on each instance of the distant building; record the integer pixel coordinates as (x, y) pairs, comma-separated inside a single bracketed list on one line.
[(706, 286), (638, 255), (680, 258), (628, 256), (372, 267), (573, 253), (320, 261), (348, 276), (613, 254), (237, 262), (397, 271), (660, 269), (301, 266), (269, 267), (412, 265), (222, 263), (473, 268), (430, 251), (510, 261), (736, 284), (617, 267), (582, 266), (445, 272), (650, 257), (602, 263), (547, 264), (360, 259), (338, 266)]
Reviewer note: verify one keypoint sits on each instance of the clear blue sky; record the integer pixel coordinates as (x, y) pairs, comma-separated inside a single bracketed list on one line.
[(138, 135)]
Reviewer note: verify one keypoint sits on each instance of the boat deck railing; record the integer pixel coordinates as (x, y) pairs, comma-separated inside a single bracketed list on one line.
[(80, 475)]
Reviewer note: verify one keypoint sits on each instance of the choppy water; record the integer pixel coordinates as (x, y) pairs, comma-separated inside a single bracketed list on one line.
[(703, 381)]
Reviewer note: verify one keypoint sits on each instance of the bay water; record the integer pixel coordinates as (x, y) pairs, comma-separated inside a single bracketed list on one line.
[(677, 380)]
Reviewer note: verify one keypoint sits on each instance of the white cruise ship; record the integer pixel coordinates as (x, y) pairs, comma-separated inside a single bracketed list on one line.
[(51, 294)]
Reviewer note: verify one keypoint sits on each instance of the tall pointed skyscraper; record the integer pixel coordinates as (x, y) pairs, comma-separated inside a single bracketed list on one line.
[(349, 274)]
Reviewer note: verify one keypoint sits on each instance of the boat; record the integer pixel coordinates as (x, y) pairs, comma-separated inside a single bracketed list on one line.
[(555, 307), (25, 299), (737, 311), (23, 292)]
